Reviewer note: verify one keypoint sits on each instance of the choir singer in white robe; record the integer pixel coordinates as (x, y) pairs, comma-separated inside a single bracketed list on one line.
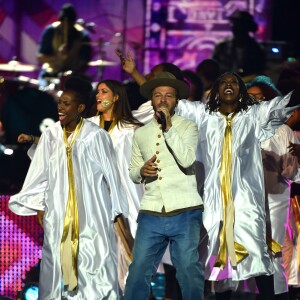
[(74, 188)]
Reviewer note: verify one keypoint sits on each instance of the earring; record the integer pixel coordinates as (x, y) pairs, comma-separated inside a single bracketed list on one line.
[(217, 99)]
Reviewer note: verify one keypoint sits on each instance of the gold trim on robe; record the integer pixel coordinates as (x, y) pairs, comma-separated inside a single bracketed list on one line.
[(111, 127), (70, 235), (236, 252)]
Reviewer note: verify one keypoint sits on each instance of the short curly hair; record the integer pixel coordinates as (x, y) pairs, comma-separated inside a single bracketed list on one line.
[(81, 87)]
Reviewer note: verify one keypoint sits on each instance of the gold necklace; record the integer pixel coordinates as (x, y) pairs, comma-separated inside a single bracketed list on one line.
[(69, 131)]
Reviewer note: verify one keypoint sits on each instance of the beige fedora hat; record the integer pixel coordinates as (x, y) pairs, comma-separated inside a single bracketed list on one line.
[(165, 79)]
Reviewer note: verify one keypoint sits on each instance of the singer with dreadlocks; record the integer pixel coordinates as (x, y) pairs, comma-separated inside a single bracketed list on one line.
[(231, 127)]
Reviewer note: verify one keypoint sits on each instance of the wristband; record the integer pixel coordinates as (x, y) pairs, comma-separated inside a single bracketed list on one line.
[(32, 139)]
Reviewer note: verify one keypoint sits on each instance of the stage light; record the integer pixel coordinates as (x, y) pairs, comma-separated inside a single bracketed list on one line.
[(31, 291), (275, 50), (5, 150)]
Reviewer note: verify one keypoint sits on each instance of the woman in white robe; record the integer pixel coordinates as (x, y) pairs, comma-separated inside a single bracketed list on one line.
[(291, 246), (250, 125), (280, 169), (114, 115), (99, 198)]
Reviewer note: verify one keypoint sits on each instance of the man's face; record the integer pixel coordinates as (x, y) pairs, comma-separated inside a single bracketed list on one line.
[(164, 96)]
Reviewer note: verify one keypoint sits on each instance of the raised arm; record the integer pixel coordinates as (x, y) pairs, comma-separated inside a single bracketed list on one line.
[(28, 138), (129, 66), (271, 114), (31, 198)]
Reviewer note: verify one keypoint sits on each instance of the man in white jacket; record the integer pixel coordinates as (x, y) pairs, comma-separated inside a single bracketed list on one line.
[(163, 157)]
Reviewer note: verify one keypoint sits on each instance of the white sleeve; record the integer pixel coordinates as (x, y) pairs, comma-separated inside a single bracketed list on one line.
[(144, 113), (31, 198), (104, 154), (192, 110), (271, 114)]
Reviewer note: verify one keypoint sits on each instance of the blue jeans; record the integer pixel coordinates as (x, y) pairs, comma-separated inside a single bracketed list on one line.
[(152, 237)]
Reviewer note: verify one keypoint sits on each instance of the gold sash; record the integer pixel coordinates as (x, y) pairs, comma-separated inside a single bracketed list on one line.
[(273, 246), (236, 252), (71, 226)]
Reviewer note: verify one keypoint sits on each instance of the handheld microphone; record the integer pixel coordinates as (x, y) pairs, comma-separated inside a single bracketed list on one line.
[(163, 121)]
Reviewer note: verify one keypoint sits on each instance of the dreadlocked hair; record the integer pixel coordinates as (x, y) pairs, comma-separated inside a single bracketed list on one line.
[(244, 102)]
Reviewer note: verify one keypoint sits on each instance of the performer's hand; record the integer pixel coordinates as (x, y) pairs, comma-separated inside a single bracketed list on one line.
[(294, 149), (149, 169), (127, 62), (25, 138), (40, 216), (165, 110), (62, 50)]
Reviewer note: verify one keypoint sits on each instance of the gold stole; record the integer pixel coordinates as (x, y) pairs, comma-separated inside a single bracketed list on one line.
[(273, 246), (236, 252), (71, 216)]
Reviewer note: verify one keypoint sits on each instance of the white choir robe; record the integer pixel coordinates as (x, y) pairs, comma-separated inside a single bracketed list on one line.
[(249, 129), (280, 168), (100, 199), (291, 250), (291, 245), (122, 136)]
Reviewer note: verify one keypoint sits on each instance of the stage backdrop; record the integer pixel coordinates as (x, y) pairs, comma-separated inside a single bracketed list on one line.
[(20, 250), (117, 23), (183, 32)]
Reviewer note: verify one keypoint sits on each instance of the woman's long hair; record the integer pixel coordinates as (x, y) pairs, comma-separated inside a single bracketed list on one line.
[(122, 110), (244, 101)]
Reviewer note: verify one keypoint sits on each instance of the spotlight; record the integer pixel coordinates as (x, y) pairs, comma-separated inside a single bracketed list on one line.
[(30, 291), (5, 150), (275, 50)]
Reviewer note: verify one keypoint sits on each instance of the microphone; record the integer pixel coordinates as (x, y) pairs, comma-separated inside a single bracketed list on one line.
[(106, 103), (163, 121)]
